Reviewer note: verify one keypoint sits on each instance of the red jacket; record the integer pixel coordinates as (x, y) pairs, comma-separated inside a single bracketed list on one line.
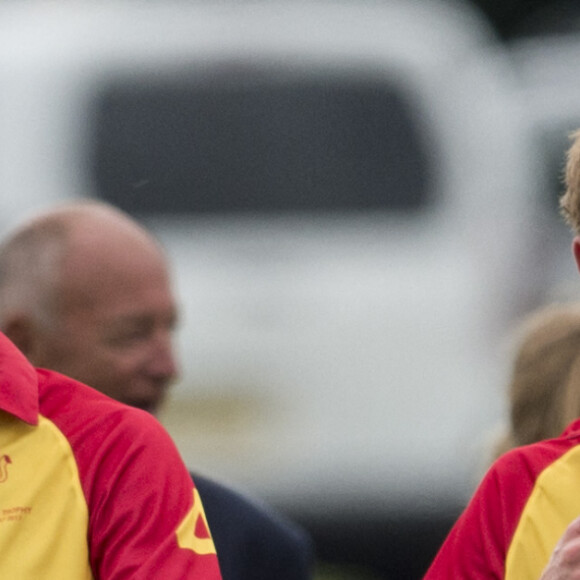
[(91, 488), (518, 513)]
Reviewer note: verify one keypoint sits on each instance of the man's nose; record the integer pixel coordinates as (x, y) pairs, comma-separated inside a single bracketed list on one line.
[(163, 363)]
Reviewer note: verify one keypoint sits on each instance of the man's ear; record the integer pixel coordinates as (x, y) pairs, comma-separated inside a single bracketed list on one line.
[(19, 330)]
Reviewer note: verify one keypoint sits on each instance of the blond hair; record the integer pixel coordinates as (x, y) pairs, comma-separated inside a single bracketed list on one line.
[(544, 386), (570, 201)]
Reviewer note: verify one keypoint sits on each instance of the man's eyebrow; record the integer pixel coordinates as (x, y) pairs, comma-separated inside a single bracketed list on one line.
[(137, 318)]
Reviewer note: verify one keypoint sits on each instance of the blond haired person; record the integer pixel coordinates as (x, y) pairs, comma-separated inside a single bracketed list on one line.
[(522, 522)]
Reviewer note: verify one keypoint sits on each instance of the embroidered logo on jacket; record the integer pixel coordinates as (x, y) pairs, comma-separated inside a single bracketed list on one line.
[(193, 533), (4, 461)]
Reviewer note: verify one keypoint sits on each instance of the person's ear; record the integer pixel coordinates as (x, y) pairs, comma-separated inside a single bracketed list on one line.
[(20, 331)]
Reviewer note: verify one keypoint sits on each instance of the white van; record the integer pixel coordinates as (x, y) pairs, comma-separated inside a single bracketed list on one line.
[(343, 189)]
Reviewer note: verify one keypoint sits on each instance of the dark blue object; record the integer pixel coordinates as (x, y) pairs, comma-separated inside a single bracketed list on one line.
[(253, 541)]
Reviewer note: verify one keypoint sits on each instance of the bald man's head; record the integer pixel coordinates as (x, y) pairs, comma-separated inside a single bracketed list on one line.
[(30, 259), (85, 290)]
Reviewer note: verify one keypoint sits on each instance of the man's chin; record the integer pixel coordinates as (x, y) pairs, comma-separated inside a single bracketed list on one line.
[(151, 407)]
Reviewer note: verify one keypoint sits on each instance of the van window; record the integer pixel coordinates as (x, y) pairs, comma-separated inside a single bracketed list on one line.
[(254, 141)]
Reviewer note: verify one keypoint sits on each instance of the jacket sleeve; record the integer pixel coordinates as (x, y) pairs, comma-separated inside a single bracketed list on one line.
[(478, 543), (146, 519)]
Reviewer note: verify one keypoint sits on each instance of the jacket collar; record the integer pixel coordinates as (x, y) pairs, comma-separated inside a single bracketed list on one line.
[(18, 383)]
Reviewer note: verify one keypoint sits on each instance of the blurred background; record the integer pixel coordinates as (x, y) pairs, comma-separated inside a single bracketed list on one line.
[(359, 200)]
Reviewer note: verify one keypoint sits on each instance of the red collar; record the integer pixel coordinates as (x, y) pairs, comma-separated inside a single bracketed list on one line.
[(18, 383)]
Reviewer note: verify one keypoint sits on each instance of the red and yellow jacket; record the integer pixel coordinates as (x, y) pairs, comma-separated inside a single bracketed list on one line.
[(90, 488), (518, 513)]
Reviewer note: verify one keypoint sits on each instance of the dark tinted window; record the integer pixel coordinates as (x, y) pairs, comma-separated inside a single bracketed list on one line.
[(261, 142)]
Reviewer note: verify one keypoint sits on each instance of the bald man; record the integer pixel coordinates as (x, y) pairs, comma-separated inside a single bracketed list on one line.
[(85, 290)]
